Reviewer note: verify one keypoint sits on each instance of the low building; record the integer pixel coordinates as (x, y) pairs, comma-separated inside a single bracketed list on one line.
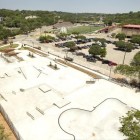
[(130, 29)]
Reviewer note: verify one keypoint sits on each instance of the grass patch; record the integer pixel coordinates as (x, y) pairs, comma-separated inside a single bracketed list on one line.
[(23, 48), (8, 46), (84, 29)]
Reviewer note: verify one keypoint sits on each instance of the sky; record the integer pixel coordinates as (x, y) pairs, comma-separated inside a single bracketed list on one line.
[(76, 6)]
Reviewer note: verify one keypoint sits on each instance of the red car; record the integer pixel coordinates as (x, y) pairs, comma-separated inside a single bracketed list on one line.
[(112, 63)]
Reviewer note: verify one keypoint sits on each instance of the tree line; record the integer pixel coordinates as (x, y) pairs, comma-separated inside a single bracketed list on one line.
[(14, 21)]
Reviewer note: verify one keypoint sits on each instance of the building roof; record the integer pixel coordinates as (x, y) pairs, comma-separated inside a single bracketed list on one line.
[(131, 26)]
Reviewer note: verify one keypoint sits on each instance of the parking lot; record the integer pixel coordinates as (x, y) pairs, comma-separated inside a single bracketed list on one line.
[(113, 55)]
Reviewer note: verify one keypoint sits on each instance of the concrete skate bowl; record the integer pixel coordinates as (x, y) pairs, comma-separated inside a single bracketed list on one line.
[(101, 123)]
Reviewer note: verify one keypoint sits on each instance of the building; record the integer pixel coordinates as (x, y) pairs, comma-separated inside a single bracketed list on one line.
[(130, 29)]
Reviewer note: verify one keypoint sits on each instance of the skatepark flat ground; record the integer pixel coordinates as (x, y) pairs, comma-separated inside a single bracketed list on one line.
[(46, 104)]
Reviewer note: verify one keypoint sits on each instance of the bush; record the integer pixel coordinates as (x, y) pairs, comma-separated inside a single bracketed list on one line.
[(133, 83), (124, 46), (122, 80), (121, 36), (135, 39), (130, 125)]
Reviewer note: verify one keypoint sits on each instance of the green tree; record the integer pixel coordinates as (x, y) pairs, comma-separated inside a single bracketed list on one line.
[(48, 38), (101, 40), (103, 52), (135, 39), (124, 46), (42, 39), (131, 125), (108, 22), (121, 36), (136, 60), (97, 50), (71, 45)]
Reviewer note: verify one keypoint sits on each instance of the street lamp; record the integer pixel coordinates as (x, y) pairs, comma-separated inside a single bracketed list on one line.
[(124, 56), (110, 72)]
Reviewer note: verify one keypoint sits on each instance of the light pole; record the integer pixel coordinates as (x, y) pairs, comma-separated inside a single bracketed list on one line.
[(110, 72), (124, 57)]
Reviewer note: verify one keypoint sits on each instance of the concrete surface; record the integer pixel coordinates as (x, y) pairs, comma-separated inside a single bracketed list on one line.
[(68, 90)]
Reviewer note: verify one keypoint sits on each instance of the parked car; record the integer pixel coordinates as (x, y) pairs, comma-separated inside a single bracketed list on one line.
[(105, 61), (98, 58), (136, 46), (79, 48), (88, 56), (91, 59), (68, 58), (84, 47), (80, 53), (112, 63)]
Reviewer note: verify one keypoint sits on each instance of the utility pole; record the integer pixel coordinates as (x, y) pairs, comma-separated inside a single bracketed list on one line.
[(110, 72), (124, 57)]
